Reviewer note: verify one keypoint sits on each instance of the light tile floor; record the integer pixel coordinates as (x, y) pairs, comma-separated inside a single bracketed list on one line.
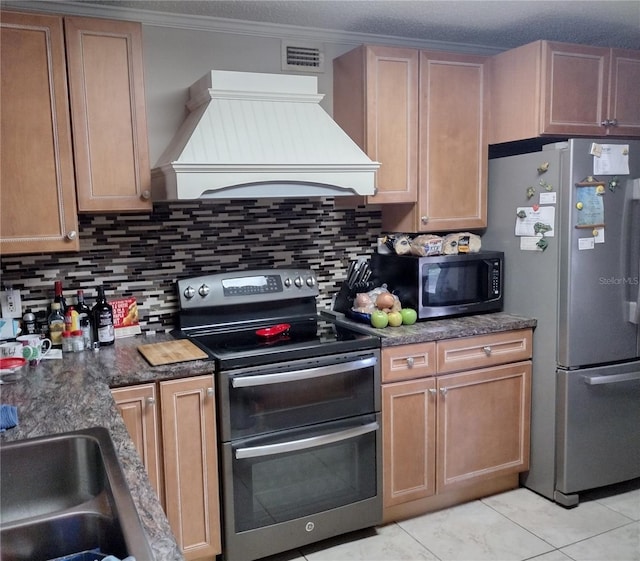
[(511, 526)]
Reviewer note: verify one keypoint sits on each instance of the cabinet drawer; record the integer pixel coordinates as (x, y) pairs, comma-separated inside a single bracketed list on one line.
[(406, 362), (483, 350)]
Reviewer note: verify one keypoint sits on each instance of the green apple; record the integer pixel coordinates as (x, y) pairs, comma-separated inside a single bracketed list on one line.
[(395, 319), (409, 316), (379, 319)]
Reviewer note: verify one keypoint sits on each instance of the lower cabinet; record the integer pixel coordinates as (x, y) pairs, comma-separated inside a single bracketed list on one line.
[(452, 437), (188, 481)]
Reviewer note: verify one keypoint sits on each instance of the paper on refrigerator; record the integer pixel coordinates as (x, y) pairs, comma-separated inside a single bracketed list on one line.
[(533, 218)]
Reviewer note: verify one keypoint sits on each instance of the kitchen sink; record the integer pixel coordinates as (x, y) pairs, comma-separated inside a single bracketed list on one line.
[(66, 494)]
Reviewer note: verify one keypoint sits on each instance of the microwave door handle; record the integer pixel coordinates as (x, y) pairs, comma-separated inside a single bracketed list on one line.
[(296, 375), (304, 443)]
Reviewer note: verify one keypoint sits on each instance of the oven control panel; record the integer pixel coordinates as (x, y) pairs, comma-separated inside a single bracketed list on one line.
[(246, 287)]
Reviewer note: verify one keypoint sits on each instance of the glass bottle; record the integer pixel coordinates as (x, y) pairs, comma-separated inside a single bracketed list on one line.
[(102, 312), (59, 297), (84, 318), (56, 325)]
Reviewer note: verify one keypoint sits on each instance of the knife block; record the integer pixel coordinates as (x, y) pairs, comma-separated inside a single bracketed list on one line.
[(347, 294)]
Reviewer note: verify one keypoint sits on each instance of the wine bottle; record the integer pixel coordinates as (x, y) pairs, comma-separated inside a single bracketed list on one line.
[(59, 297), (102, 313), (84, 319)]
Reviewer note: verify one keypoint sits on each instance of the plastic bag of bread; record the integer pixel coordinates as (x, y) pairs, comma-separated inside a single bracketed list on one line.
[(461, 242), (426, 244), (402, 245)]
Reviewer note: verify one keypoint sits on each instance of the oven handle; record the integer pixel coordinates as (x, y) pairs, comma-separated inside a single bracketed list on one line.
[(304, 443), (264, 379)]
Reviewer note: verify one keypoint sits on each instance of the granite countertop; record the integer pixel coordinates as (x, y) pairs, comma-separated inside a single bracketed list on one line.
[(437, 329), (74, 393)]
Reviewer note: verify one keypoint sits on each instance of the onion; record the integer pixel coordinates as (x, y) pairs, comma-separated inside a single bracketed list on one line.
[(385, 300)]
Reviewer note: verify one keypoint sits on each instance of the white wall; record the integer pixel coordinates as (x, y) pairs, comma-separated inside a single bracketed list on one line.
[(176, 58)]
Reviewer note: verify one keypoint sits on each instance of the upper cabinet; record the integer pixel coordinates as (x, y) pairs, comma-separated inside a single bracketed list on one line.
[(422, 115), (37, 188), (375, 101), (106, 86), (547, 88), (91, 87)]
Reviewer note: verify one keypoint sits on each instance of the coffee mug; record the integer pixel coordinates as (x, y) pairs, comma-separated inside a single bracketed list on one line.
[(34, 348), (11, 350)]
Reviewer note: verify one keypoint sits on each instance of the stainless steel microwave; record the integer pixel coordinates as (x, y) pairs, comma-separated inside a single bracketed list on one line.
[(443, 285)]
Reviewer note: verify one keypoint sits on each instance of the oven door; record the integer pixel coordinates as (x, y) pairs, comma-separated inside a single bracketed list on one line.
[(295, 487), (298, 393)]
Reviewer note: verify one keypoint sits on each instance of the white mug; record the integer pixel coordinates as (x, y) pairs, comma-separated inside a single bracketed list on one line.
[(34, 348), (11, 350)]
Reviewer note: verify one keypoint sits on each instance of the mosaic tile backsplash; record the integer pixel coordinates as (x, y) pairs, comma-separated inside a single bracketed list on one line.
[(142, 255)]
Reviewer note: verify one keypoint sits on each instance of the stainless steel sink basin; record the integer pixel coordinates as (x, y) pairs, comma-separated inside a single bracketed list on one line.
[(66, 494)]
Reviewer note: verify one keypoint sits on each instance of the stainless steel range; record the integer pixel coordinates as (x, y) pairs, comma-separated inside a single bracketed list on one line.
[(298, 410)]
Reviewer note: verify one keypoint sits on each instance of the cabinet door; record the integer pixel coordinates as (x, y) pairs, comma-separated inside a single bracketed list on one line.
[(624, 102), (452, 182), (137, 405), (108, 114), (575, 89), (483, 424), (191, 465), (408, 441), (376, 103), (37, 190)]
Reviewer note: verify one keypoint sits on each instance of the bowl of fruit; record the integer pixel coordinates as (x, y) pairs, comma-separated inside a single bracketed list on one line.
[(381, 308)]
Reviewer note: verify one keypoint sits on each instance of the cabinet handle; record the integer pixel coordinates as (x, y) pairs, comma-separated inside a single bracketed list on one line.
[(146, 194), (210, 392), (410, 362), (424, 219), (433, 392), (609, 123), (443, 391), (151, 401), (487, 350), (71, 235)]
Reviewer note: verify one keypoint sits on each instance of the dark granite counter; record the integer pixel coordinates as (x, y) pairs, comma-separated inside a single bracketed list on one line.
[(435, 330), (74, 393)]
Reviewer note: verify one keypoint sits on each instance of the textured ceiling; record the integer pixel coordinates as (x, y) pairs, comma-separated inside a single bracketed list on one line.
[(496, 23)]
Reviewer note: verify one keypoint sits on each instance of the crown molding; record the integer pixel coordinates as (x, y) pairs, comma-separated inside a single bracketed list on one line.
[(239, 27)]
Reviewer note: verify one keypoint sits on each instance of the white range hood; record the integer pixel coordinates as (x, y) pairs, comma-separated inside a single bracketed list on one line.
[(254, 135)]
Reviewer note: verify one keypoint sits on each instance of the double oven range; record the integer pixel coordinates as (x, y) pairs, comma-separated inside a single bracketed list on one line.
[(298, 401)]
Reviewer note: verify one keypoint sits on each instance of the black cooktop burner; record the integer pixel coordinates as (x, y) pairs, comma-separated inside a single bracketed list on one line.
[(306, 338)]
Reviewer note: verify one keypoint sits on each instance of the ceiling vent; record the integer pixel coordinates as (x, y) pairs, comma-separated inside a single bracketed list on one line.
[(306, 57)]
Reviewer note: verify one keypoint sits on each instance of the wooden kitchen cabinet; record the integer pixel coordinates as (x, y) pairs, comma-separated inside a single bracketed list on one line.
[(106, 86), (422, 115), (138, 407), (176, 419), (37, 184), (191, 465), (375, 101), (462, 430), (92, 86), (408, 437), (453, 148), (550, 88)]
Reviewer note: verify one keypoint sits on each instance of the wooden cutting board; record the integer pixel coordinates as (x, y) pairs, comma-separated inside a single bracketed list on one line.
[(180, 350)]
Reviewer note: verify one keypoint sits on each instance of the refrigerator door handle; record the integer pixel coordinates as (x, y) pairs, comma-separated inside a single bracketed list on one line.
[(613, 379), (632, 307)]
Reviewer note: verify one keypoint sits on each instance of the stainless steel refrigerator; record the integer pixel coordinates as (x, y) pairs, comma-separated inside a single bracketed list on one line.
[(580, 201)]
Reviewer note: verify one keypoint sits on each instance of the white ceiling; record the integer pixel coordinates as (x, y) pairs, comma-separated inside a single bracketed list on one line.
[(494, 23)]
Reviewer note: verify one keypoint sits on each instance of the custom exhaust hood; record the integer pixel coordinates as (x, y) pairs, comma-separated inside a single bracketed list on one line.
[(254, 135)]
